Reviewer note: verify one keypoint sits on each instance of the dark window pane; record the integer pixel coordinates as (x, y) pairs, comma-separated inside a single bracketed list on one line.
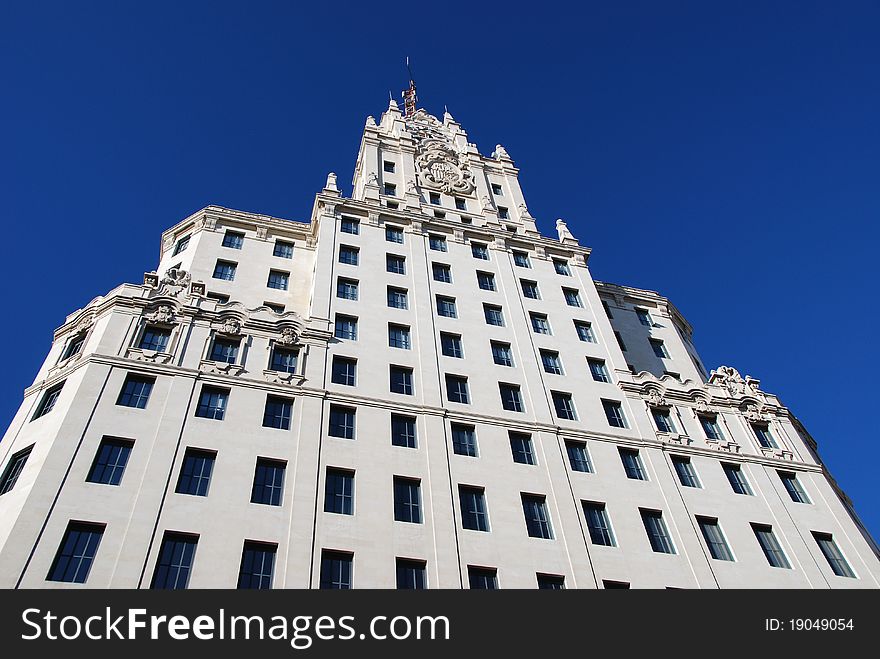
[(76, 552), (110, 461), (175, 561)]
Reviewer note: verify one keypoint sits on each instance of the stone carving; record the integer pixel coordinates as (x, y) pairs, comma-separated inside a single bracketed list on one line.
[(439, 164), (175, 281), (163, 315), (702, 406), (487, 204), (754, 413), (149, 356), (221, 368), (524, 212), (288, 336), (564, 233), (151, 279), (262, 232), (655, 398), (371, 122), (500, 152), (411, 187), (373, 179), (197, 288), (231, 326), (331, 181), (736, 385)]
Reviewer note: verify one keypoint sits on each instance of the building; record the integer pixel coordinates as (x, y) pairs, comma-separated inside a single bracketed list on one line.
[(414, 388)]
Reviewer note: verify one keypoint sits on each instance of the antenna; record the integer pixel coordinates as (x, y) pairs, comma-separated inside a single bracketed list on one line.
[(409, 95)]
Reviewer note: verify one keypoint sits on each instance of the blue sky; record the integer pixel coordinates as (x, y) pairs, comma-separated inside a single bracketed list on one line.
[(724, 154)]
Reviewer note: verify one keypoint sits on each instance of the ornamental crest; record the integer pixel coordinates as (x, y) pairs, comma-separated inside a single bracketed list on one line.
[(439, 164), (231, 326), (654, 398), (175, 281), (163, 315), (288, 336)]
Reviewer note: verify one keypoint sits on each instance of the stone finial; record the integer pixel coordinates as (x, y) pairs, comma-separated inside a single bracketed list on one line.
[(392, 104), (524, 212), (564, 234), (500, 152), (330, 185), (371, 122)]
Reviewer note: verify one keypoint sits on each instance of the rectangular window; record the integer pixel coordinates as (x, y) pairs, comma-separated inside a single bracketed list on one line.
[(403, 431), (268, 482), (540, 324), (501, 353), (521, 448), (278, 280), (48, 402), (437, 243), (233, 239), (564, 405), (464, 440), (511, 398), (434, 198), (389, 189), (793, 487), (658, 348), (486, 280), (655, 527), (446, 307), (394, 235), (493, 314), (275, 308), (401, 380), (644, 317), (450, 345), (411, 574), (457, 389), (663, 419), (460, 204), (482, 578), (339, 491), (278, 412), (13, 469), (218, 298), (399, 336), (195, 472), (344, 371), (388, 167), (833, 555), (715, 541), (175, 561), (110, 461), (687, 475), (561, 267), (614, 413), (154, 338), (346, 327), (503, 213), (257, 565), (74, 347), (473, 508), (347, 289), (283, 249), (135, 391), (711, 427), (598, 524), (225, 350), (350, 225), (537, 518), (620, 341), (572, 297), (521, 259), (736, 478), (584, 331), (181, 245), (770, 546), (212, 403), (336, 569), (607, 309), (762, 433), (598, 370), (632, 464), (578, 457), (442, 272), (224, 270), (480, 251), (284, 359), (348, 255), (550, 582), (397, 298), (341, 422), (407, 500), (551, 362), (496, 189), (530, 289), (395, 264), (76, 552)]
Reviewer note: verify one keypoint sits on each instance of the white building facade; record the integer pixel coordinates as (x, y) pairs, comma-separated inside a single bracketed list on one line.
[(413, 389)]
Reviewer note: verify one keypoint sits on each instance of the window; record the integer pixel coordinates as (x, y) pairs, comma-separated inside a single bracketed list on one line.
[(496, 189), (501, 353), (181, 245), (607, 309), (530, 289), (278, 280), (347, 289), (435, 198), (341, 422), (521, 259), (614, 413), (392, 204), (284, 359), (584, 331), (540, 324), (110, 461), (442, 272), (175, 561), (344, 371), (632, 464), (275, 308), (440, 215), (278, 412), (655, 527), (550, 581), (398, 336), (212, 403), (460, 204), (793, 487), (762, 433), (598, 370), (49, 399), (339, 491), (473, 508), (736, 478), (687, 475), (486, 280), (74, 347), (346, 327), (662, 419), (572, 297), (511, 398), (504, 214), (283, 249), (457, 389), (564, 405), (644, 317), (711, 427), (658, 348), (437, 243), (578, 457), (537, 520), (494, 315), (407, 500), (350, 225), (561, 267), (195, 472), (397, 298), (464, 440), (714, 538), (76, 552), (390, 189), (224, 270), (832, 554), (268, 482), (480, 251), (401, 380), (411, 575), (551, 362), (770, 546), (450, 345), (395, 264), (615, 585), (336, 568), (257, 564), (13, 469), (403, 431), (388, 166), (218, 298), (154, 338), (225, 350), (598, 524), (482, 578), (521, 448), (135, 391), (620, 341), (348, 255), (446, 307), (394, 234), (233, 239)]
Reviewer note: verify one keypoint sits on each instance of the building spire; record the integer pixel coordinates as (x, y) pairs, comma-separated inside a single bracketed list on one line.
[(409, 95)]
